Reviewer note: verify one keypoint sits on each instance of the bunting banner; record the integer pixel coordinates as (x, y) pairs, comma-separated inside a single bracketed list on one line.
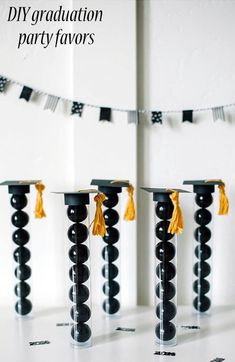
[(105, 113)]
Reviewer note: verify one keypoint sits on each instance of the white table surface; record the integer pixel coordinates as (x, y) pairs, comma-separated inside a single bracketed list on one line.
[(216, 337)]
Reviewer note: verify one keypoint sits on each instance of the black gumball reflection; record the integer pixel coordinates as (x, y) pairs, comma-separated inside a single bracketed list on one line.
[(20, 237), (111, 200), (202, 217), (161, 230), (111, 236), (23, 272), (77, 213), (18, 202), (166, 271), (202, 269), (79, 273), (78, 294), (202, 234), (202, 304), (81, 333), (21, 255), (110, 253), (203, 251), (164, 210), (165, 251), (111, 217), (111, 305), (165, 291), (23, 306), (165, 331), (20, 219), (79, 253), (204, 200), (78, 233), (22, 290), (111, 288), (166, 310), (201, 286), (80, 313), (109, 271)]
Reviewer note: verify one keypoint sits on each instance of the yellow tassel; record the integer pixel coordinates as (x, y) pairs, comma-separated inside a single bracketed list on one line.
[(176, 223), (39, 212), (98, 222), (129, 214), (223, 201)]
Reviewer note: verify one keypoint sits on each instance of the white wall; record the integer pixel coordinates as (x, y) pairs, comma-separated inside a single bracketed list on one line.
[(188, 61)]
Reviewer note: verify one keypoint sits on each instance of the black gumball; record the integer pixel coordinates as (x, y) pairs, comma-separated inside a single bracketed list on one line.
[(79, 273), (111, 217), (81, 333), (77, 213), (78, 294), (165, 331), (111, 288), (78, 233), (161, 230), (166, 271), (20, 237), (23, 306), (201, 286), (18, 202), (110, 253), (165, 251), (109, 271), (80, 313), (202, 234), (23, 272), (202, 269), (164, 210), (20, 219), (79, 253), (202, 304), (204, 200), (166, 311), (22, 290), (165, 291), (111, 305), (111, 200), (112, 235), (202, 217), (21, 255), (203, 251)]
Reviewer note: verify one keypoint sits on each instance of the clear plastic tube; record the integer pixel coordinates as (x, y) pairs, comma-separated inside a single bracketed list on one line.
[(166, 277)]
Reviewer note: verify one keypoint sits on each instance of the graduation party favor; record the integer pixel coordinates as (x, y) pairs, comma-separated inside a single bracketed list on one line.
[(21, 238), (111, 249), (169, 223), (202, 269)]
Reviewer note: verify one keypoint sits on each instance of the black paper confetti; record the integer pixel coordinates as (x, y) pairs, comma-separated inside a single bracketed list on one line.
[(218, 359), (38, 343), (105, 114), (124, 329), (190, 327), (3, 81), (26, 93), (188, 116), (163, 353), (77, 108), (157, 117)]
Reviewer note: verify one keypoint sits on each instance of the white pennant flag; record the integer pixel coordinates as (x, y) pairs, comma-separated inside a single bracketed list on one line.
[(133, 117), (51, 103), (218, 113)]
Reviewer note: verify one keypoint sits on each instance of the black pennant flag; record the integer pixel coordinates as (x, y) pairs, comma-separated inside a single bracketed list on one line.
[(105, 114), (3, 81), (26, 93), (157, 117), (77, 108), (188, 116)]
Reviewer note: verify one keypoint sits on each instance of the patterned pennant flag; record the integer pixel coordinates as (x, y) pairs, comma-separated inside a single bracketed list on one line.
[(105, 114), (51, 103), (188, 116), (77, 108), (3, 81), (26, 93), (133, 117), (156, 117), (218, 113)]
